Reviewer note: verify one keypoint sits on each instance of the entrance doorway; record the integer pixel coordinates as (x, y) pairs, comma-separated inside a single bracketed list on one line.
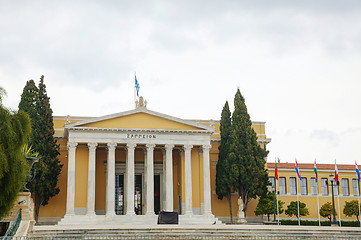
[(138, 192)]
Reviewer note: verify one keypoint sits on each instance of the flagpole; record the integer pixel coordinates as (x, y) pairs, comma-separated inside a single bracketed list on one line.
[(298, 207), (339, 212), (318, 206), (135, 98), (278, 214), (358, 199), (318, 201)]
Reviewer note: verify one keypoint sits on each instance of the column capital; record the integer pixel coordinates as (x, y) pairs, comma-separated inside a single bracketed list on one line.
[(92, 145), (112, 145), (187, 147), (72, 145), (206, 147), (169, 146), (150, 146), (131, 145)]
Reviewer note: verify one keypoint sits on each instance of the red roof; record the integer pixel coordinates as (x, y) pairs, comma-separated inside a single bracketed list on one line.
[(271, 165)]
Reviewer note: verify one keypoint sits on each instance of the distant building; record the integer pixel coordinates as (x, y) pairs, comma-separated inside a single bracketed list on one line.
[(289, 186)]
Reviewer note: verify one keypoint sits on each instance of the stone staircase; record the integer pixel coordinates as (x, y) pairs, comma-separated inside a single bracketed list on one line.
[(198, 230)]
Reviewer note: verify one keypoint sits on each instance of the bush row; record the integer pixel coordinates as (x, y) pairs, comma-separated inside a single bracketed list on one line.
[(323, 223)]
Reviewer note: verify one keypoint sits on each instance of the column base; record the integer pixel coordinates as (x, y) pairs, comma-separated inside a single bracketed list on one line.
[(91, 214), (188, 213), (110, 215)]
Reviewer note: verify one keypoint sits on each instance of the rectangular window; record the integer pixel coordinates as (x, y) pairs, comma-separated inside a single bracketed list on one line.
[(355, 189), (345, 187), (314, 186), (335, 188), (272, 181), (324, 186), (304, 186), (282, 183), (293, 186)]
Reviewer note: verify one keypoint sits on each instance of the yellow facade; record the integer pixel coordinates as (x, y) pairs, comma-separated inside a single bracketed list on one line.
[(346, 174), (57, 205)]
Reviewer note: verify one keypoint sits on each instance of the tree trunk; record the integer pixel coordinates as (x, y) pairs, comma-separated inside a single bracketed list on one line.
[(230, 205), (268, 217), (37, 204)]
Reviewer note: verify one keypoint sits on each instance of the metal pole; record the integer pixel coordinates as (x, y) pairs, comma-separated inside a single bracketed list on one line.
[(274, 202), (318, 205), (358, 199), (334, 221)]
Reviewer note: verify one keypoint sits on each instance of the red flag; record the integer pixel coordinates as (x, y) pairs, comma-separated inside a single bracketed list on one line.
[(336, 172), (276, 170)]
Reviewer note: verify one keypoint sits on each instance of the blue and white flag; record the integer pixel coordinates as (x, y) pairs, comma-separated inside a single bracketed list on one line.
[(137, 87), (357, 171)]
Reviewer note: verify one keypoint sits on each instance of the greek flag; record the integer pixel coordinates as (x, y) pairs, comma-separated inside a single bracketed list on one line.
[(137, 86)]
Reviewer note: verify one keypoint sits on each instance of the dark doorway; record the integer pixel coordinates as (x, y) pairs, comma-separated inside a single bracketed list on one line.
[(156, 194), (138, 195), (119, 194)]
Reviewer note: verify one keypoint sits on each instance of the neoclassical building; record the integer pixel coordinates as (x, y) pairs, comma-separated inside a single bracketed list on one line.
[(128, 166)]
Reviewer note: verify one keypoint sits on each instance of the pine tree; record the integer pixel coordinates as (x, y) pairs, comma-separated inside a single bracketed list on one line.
[(15, 131), (265, 206), (246, 155), (44, 185), (224, 180), (292, 209)]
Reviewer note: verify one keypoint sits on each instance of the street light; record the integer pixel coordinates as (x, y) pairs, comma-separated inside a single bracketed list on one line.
[(334, 221)]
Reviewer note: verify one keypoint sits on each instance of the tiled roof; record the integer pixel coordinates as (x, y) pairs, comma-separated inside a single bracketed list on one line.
[(271, 165)]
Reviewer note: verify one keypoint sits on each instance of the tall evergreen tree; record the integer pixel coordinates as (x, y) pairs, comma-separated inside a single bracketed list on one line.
[(247, 156), (14, 135), (28, 101), (44, 185), (224, 178)]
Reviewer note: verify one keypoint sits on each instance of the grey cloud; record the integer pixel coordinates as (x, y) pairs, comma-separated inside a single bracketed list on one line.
[(326, 135)]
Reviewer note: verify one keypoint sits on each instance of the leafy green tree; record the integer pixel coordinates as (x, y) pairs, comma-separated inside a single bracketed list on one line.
[(292, 209), (246, 155), (2, 95), (15, 131), (44, 185), (265, 206), (224, 178), (326, 211), (351, 208)]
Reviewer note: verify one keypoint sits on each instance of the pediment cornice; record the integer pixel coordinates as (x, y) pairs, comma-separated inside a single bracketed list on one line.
[(78, 125)]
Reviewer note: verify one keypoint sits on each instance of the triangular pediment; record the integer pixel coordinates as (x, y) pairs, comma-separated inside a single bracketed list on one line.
[(140, 118)]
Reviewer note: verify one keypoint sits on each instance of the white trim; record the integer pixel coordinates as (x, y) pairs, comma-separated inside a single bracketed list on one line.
[(140, 110)]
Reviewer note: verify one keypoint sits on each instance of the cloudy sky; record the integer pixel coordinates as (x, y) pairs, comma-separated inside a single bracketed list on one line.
[(297, 63)]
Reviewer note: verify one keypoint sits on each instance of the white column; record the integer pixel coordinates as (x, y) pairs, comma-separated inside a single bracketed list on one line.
[(207, 209), (188, 179), (163, 180), (169, 177), (149, 178), (130, 179), (110, 199), (91, 179), (71, 179)]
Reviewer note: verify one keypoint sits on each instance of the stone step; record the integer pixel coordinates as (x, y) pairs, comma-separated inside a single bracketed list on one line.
[(203, 229)]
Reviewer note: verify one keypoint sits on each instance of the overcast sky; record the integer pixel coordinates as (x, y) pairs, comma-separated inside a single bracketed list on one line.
[(297, 63)]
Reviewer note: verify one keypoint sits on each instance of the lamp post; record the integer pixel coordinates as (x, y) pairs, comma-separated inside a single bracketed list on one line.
[(334, 221)]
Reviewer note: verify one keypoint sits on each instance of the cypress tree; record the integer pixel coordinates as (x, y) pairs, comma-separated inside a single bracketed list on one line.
[(44, 185), (14, 135), (247, 156), (224, 180), (27, 104)]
